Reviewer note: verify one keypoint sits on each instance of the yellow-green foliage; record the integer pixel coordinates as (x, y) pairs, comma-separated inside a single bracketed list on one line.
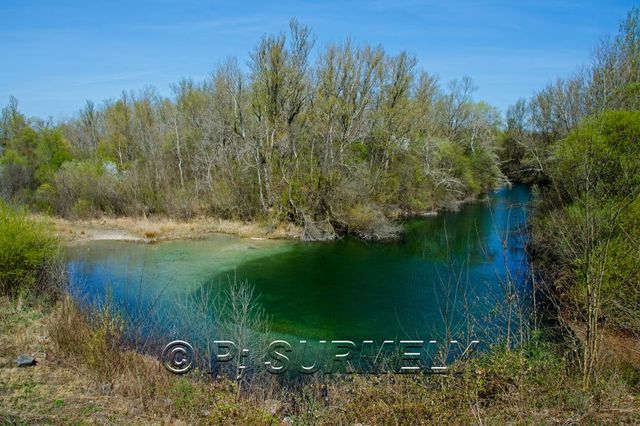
[(25, 249), (591, 238), (601, 156)]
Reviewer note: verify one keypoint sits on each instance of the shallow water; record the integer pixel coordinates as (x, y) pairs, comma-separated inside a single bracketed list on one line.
[(449, 269)]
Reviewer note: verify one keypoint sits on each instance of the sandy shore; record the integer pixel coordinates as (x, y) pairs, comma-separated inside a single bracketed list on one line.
[(162, 229)]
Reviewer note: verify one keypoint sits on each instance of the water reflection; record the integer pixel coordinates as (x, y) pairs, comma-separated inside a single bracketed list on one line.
[(448, 275)]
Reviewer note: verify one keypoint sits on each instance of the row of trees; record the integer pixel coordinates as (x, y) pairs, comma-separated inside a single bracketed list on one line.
[(352, 133), (610, 82), (580, 137)]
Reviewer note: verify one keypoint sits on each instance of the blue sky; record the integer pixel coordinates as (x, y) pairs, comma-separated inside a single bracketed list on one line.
[(55, 55)]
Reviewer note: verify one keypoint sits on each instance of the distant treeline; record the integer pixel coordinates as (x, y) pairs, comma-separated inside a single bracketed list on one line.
[(535, 126), (352, 137)]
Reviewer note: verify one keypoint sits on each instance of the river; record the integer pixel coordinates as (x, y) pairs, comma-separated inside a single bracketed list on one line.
[(451, 271)]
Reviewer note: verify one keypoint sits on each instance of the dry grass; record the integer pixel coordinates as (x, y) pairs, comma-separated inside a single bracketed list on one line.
[(83, 376), (50, 392), (614, 348), (161, 229)]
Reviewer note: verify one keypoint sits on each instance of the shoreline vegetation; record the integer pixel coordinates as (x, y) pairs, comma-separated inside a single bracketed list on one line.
[(88, 376), (157, 229), (162, 228), (340, 147)]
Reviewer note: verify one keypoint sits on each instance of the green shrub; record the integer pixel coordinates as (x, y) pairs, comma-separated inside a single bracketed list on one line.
[(51, 152), (590, 240), (26, 251), (82, 208), (44, 198), (601, 156)]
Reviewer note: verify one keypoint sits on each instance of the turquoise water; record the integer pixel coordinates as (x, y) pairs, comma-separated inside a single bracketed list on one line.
[(449, 269)]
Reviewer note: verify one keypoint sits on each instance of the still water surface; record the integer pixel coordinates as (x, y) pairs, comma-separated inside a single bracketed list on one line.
[(454, 266)]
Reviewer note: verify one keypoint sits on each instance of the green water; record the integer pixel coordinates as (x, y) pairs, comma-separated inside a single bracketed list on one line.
[(452, 266)]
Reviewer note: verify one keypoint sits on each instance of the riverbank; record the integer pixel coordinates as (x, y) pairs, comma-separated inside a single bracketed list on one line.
[(85, 372), (161, 228), (156, 229), (66, 388), (78, 383)]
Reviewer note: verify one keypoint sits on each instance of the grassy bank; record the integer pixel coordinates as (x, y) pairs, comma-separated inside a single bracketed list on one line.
[(83, 376), (93, 383)]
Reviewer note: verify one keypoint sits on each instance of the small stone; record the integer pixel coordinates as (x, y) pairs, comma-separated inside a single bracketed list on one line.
[(287, 421), (25, 361)]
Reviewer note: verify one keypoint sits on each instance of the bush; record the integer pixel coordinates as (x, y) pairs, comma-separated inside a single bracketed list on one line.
[(602, 155), (91, 336), (44, 198), (590, 240), (180, 204), (82, 209), (15, 179), (28, 254), (370, 223)]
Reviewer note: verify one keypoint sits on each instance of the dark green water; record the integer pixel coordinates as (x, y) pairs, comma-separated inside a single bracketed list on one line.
[(453, 266)]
